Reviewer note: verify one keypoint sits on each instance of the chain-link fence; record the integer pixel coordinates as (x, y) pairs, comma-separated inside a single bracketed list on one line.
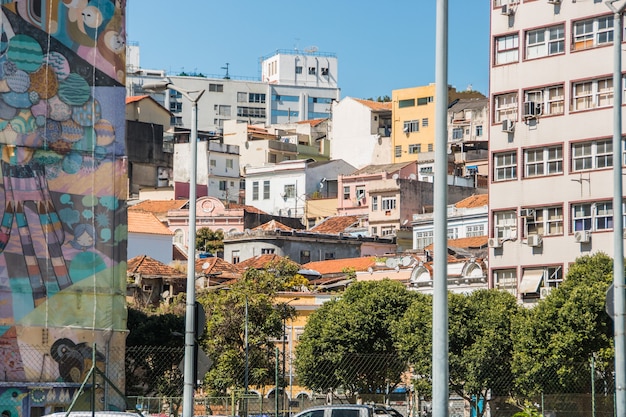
[(154, 381)]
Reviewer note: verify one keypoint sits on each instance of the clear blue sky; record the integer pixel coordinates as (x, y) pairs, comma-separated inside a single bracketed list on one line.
[(380, 46)]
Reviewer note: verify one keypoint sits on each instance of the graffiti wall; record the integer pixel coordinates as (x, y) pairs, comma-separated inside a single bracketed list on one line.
[(63, 226)]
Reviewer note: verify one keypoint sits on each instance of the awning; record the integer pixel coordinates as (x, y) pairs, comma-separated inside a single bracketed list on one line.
[(530, 281)]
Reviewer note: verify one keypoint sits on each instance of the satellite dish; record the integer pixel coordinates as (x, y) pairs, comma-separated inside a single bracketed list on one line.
[(370, 270), (395, 176), (165, 294), (406, 260), (412, 176), (392, 262), (206, 265), (397, 268)]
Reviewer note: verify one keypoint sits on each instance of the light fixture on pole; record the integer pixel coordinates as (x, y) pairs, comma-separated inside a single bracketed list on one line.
[(190, 331), (619, 296)]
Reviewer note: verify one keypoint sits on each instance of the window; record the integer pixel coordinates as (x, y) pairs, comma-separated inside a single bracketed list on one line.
[(256, 98), (289, 191), (604, 216), (242, 97), (374, 231), (398, 151), (453, 233), (329, 255), (235, 257), (216, 88), (312, 71), (593, 32), (430, 147), (305, 256), (505, 166), (422, 101), (507, 49), (543, 161), (547, 221), (267, 251), (387, 230), (505, 224), (592, 94), (505, 279), (325, 71), (545, 42), (505, 107), (298, 69), (425, 122), (479, 130), (475, 230), (411, 126), (423, 239), (266, 190), (553, 276), (592, 155), (457, 133), (415, 148), (230, 164), (251, 112), (346, 192), (223, 185), (255, 190), (375, 203), (212, 163), (360, 192), (550, 99), (388, 203), (176, 107), (410, 102)]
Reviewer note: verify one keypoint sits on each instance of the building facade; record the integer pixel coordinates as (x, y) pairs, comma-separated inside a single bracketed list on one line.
[(550, 141)]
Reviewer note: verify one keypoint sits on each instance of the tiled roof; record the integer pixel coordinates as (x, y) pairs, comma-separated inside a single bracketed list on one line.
[(249, 209), (178, 253), (476, 200), (335, 266), (144, 222), (147, 266), (375, 105), (475, 242), (388, 168), (272, 225), (335, 225), (259, 261), (312, 122), (217, 266), (159, 206), (134, 99)]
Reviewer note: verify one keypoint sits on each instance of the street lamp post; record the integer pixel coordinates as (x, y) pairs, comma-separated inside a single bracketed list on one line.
[(285, 349), (190, 331)]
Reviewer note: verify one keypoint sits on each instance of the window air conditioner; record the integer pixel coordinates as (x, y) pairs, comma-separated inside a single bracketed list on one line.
[(527, 213), (494, 242), (554, 1), (508, 125), (582, 236), (507, 10), (544, 292), (531, 109), (534, 240)]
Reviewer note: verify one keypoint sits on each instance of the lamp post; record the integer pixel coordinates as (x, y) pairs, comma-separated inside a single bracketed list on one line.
[(285, 348), (617, 7), (190, 331)]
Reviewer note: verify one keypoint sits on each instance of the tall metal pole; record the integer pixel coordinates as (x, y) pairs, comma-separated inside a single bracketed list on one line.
[(440, 275), (247, 364), (282, 382), (619, 285)]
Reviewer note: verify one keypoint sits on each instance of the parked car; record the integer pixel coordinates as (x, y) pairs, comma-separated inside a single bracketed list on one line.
[(339, 410), (382, 410), (97, 414)]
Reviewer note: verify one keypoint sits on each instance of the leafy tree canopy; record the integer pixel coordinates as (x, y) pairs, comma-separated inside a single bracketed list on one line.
[(209, 240)]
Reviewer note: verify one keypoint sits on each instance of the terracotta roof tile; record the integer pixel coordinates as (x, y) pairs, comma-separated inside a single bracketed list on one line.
[(159, 206), (272, 225), (259, 261), (218, 266), (312, 122), (335, 266), (144, 222), (475, 242), (133, 99), (375, 105), (476, 200), (147, 266), (335, 224)]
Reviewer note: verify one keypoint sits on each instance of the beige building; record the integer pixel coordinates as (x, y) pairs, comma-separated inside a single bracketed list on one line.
[(550, 141)]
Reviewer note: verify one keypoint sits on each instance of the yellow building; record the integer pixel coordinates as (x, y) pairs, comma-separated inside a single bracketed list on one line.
[(413, 113)]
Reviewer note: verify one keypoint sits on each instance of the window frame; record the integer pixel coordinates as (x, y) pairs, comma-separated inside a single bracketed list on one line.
[(546, 221), (544, 47), (505, 224), (506, 49), (550, 163), (505, 106), (597, 154), (505, 166)]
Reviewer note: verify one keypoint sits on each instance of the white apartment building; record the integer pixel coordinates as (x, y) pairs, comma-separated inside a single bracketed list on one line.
[(294, 86), (550, 188)]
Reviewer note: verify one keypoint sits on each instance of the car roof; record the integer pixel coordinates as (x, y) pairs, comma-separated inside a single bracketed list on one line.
[(90, 414)]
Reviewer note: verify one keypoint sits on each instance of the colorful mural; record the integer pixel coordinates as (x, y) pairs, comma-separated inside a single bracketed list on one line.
[(63, 227)]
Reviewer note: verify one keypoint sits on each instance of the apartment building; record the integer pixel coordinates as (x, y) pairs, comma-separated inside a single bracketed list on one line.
[(551, 92)]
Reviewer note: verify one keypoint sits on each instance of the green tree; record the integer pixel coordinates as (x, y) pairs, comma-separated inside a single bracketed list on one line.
[(565, 329), (224, 339), (209, 240), (480, 342), (347, 341)]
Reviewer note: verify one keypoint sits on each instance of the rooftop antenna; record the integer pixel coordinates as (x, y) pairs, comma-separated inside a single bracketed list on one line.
[(226, 77)]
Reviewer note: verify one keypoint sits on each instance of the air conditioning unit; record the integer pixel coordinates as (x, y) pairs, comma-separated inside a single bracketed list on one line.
[(534, 240), (544, 292), (494, 242), (507, 10), (554, 1), (582, 236), (527, 213), (508, 125), (531, 109)]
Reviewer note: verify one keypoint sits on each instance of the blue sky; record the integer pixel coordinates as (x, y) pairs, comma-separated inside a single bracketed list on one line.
[(381, 46)]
